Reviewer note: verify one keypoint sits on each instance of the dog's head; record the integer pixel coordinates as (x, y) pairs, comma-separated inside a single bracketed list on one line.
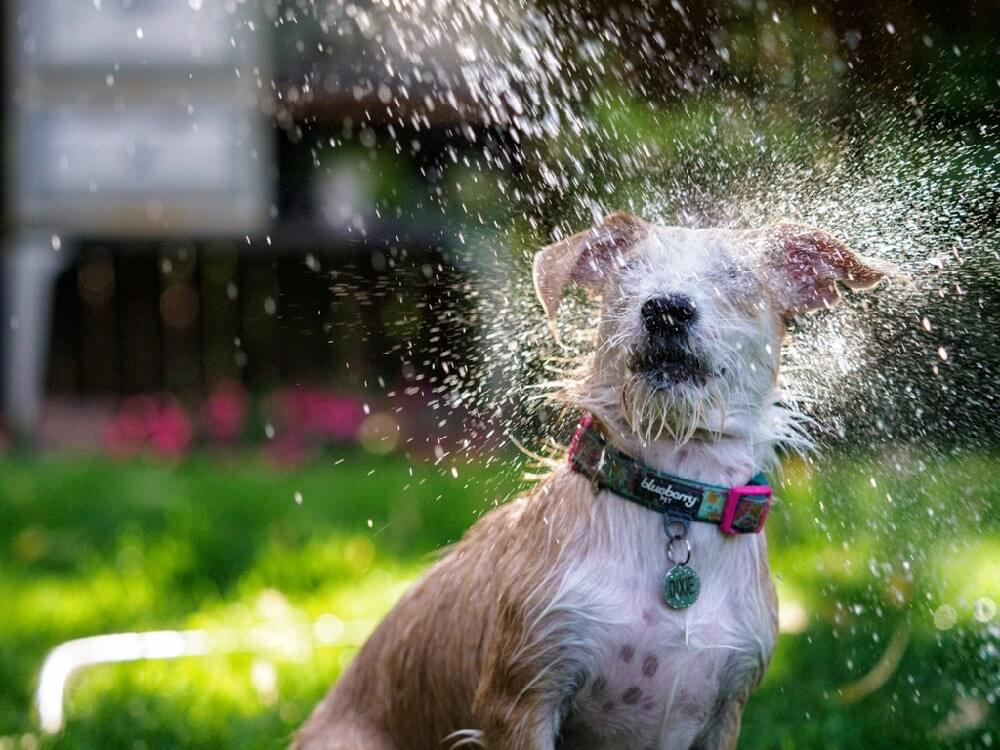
[(692, 320)]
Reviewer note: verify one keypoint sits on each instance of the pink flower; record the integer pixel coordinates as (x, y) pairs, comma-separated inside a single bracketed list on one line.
[(320, 415), (143, 423), (125, 434), (224, 413), (170, 431)]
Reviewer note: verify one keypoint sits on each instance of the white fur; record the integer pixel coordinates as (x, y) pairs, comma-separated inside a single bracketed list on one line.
[(611, 599)]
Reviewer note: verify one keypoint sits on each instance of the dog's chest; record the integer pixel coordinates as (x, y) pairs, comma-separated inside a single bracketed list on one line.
[(645, 686), (653, 676)]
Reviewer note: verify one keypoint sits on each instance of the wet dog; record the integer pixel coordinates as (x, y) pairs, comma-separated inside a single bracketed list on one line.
[(551, 624)]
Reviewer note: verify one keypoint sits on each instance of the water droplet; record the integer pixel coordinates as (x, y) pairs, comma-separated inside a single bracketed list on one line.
[(945, 617), (984, 609)]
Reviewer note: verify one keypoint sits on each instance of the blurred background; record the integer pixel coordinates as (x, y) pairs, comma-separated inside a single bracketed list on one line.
[(268, 339)]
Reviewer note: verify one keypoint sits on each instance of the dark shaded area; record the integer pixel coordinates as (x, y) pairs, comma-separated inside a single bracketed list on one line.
[(273, 309)]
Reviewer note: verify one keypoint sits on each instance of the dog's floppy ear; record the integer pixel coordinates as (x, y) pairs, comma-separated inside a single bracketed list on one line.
[(807, 264), (585, 259)]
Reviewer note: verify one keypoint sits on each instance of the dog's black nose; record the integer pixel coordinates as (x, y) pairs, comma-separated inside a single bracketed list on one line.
[(668, 316)]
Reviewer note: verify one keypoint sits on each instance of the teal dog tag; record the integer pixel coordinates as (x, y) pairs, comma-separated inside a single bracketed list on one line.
[(680, 587)]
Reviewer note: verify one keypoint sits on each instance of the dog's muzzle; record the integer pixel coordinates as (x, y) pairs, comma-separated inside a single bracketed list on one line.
[(665, 357), (666, 366)]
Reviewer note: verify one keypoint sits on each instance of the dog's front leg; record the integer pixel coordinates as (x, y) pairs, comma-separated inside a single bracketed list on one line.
[(525, 682), (517, 722), (724, 731)]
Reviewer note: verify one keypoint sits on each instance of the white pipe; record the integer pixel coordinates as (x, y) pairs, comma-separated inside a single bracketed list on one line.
[(71, 656), (68, 658)]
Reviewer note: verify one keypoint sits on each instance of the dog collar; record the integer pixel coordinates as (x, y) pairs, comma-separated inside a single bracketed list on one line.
[(736, 510)]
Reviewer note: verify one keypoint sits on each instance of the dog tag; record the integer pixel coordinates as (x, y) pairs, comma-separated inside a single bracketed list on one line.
[(681, 586)]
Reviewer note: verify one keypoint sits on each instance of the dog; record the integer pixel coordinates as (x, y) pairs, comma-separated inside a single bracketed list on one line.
[(573, 617)]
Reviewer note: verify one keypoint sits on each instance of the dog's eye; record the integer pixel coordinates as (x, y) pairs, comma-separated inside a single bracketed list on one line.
[(632, 263), (731, 273), (737, 272)]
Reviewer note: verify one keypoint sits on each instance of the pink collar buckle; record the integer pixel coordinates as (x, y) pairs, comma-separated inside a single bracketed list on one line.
[(743, 515)]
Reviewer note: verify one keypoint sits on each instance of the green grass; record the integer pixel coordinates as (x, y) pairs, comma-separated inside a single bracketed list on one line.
[(89, 547)]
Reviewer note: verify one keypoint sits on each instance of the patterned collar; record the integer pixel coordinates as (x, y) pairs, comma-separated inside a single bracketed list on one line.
[(736, 510)]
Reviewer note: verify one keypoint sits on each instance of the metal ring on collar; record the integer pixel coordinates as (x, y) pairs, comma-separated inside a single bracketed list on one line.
[(676, 528), (670, 551)]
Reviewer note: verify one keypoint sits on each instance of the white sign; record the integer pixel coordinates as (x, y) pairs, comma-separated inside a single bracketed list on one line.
[(139, 117), (133, 32)]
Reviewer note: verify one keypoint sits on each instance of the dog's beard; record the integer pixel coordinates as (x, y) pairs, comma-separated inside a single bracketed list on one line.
[(677, 412)]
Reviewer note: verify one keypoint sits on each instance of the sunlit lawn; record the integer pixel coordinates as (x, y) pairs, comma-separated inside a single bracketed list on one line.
[(89, 547)]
